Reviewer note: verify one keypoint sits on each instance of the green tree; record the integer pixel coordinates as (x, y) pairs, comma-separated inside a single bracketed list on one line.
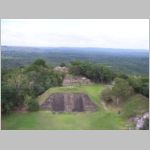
[(62, 64), (8, 98), (40, 78), (106, 95), (121, 90), (95, 72), (13, 89), (75, 67), (40, 62), (140, 84)]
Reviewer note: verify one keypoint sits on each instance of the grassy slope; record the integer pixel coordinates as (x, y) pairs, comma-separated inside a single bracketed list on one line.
[(83, 120)]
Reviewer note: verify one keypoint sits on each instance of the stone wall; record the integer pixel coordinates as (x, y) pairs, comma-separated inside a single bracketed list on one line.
[(75, 80), (69, 102), (61, 69)]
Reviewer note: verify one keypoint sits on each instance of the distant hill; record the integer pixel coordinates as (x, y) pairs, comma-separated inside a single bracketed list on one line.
[(133, 61)]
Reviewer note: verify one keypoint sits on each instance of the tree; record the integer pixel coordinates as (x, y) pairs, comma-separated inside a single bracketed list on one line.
[(8, 97), (140, 84), (31, 80), (123, 76), (75, 67), (14, 88), (62, 64), (121, 90), (106, 74), (40, 62), (40, 78), (106, 95), (95, 72)]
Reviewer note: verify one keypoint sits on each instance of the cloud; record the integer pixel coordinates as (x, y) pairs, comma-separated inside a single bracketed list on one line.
[(114, 33)]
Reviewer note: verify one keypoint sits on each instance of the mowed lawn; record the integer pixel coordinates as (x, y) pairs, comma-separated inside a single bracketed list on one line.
[(46, 120)]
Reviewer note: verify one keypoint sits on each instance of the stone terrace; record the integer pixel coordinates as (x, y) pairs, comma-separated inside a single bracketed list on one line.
[(75, 80)]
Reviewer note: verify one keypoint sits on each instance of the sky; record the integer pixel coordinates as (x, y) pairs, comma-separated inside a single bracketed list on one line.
[(104, 33)]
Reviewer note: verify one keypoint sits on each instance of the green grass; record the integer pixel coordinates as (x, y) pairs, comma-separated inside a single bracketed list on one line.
[(46, 120)]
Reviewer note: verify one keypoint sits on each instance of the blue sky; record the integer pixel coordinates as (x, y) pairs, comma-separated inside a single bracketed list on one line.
[(109, 33)]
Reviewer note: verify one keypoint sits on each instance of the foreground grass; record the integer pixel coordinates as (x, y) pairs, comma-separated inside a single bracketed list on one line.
[(46, 120)]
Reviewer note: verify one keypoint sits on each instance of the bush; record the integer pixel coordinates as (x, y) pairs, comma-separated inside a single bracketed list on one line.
[(106, 95), (8, 99), (135, 105), (31, 103)]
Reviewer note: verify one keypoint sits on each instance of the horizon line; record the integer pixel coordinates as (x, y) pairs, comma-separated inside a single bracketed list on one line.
[(71, 47)]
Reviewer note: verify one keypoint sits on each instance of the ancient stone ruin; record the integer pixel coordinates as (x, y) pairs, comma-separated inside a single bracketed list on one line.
[(61, 69), (140, 120), (75, 80), (68, 102)]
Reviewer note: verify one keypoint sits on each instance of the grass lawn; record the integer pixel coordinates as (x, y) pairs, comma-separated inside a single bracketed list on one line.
[(99, 120), (46, 120)]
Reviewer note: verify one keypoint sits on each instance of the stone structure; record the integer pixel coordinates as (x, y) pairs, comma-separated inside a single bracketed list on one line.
[(75, 80), (61, 69), (69, 102), (139, 120)]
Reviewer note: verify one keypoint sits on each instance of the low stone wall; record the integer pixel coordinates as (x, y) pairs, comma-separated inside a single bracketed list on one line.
[(69, 81)]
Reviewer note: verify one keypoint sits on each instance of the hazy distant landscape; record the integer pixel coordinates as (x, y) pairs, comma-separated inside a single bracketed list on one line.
[(129, 61)]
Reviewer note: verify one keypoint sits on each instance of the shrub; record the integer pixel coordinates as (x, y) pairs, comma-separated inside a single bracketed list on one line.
[(8, 97), (31, 103), (135, 105), (106, 95)]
